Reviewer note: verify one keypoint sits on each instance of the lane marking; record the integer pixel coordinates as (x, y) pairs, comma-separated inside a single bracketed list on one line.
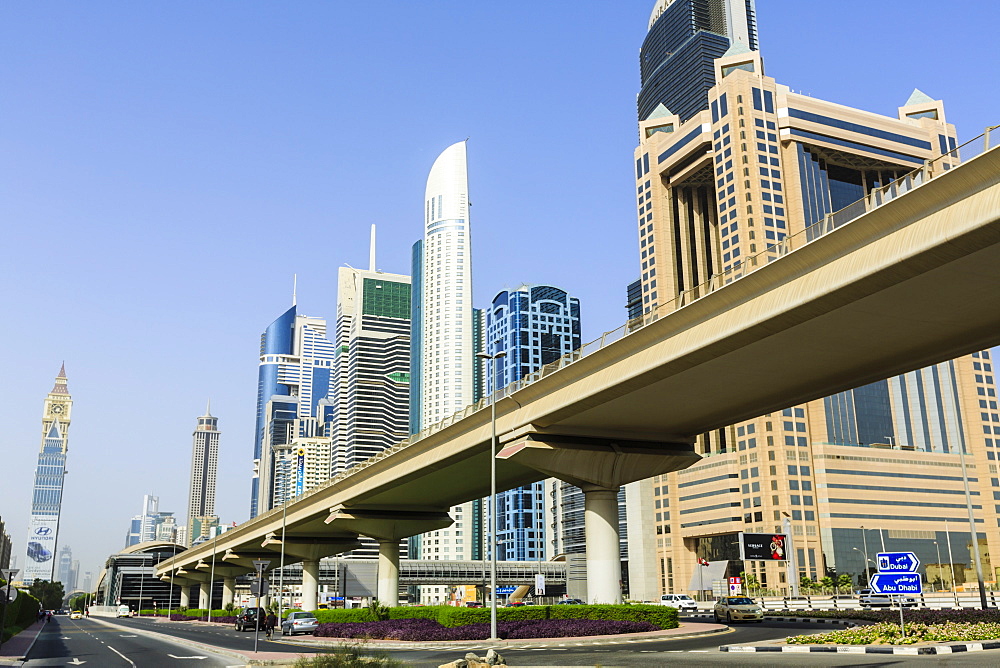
[(131, 663)]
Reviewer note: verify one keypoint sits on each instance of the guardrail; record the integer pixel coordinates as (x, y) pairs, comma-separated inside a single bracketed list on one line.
[(984, 142)]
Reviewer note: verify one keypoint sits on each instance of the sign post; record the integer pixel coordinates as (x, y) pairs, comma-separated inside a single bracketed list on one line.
[(8, 575), (897, 575), (261, 566), (735, 586)]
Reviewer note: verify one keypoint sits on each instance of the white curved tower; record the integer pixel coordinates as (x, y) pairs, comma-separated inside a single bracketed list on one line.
[(447, 355)]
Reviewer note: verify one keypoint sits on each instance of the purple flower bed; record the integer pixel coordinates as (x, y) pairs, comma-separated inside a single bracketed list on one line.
[(430, 630), (188, 618)]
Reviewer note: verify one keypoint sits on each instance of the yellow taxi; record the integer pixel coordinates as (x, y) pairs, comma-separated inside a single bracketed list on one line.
[(76, 614)]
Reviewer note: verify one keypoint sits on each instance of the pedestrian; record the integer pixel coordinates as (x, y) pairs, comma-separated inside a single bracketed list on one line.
[(269, 624)]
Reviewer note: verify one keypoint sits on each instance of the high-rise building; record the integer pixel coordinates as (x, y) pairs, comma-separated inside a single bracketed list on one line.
[(444, 336), (372, 364), (64, 566), (204, 470), (879, 465), (677, 57), (294, 401), (46, 502), (151, 523), (533, 325)]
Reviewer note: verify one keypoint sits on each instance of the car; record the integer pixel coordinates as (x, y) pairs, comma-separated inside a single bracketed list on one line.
[(737, 609), (37, 552), (570, 601), (76, 614), (124, 611), (515, 604), (299, 622), (475, 604), (869, 598), (249, 619), (682, 602)]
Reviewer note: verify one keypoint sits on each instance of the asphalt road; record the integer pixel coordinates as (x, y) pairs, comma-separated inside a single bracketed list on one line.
[(76, 642), (697, 651)]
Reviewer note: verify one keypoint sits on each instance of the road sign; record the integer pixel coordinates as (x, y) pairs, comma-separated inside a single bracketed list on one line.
[(259, 588), (12, 596), (9, 574), (897, 583), (897, 562), (506, 589), (261, 564)]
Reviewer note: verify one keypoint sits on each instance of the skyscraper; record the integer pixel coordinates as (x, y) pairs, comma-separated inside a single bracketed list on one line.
[(64, 566), (46, 502), (444, 336), (880, 462), (294, 400), (204, 469), (534, 325), (676, 60), (372, 364), (151, 523)]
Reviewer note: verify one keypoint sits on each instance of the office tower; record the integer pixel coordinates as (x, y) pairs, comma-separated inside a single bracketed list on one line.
[(204, 469), (676, 61), (74, 575), (443, 337), (372, 364), (151, 524), (64, 566), (88, 580), (533, 325), (876, 465), (294, 401), (46, 502)]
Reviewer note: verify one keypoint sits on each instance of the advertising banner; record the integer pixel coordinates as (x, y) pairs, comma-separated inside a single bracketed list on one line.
[(763, 546), (40, 560), (300, 471)]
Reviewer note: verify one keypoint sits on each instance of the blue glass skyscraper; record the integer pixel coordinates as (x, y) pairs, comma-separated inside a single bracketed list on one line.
[(676, 61), (534, 325), (294, 400)]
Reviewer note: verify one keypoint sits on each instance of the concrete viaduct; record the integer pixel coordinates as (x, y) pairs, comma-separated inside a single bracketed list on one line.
[(912, 282)]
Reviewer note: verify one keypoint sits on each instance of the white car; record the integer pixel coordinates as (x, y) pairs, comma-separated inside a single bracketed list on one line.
[(682, 602)]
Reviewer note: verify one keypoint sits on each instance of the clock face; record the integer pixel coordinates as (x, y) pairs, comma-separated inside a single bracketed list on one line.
[(57, 408)]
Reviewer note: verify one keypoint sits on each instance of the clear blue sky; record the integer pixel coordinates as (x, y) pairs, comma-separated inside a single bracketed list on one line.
[(167, 167)]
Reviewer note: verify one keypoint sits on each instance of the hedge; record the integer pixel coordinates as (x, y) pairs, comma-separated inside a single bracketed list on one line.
[(342, 615), (419, 612), (21, 614), (659, 615)]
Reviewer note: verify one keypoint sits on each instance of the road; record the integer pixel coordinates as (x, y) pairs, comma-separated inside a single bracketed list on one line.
[(698, 651), (77, 642)]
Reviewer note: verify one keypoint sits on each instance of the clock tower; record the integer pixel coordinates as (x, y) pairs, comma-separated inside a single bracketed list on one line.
[(46, 502)]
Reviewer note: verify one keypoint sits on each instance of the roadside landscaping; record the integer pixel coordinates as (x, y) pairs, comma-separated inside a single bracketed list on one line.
[(437, 623), (921, 626)]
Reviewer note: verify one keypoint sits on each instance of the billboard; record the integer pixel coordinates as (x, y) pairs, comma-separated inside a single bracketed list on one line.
[(300, 471), (763, 546), (40, 561)]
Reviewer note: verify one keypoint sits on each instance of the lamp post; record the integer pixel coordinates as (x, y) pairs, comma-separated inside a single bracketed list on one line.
[(951, 562), (864, 541), (937, 548), (867, 560), (493, 489), (142, 565), (974, 549), (211, 575)]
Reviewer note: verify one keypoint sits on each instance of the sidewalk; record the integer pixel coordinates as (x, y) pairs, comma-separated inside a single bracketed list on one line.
[(14, 650)]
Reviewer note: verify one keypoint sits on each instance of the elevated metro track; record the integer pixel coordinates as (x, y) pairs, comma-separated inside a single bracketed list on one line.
[(908, 284)]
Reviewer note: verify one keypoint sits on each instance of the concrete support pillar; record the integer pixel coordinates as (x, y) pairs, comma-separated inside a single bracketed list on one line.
[(388, 573), (310, 584), (604, 568), (185, 596), (205, 595), (228, 591)]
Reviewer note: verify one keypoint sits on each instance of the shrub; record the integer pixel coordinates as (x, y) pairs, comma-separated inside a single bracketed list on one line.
[(343, 616), (660, 616), (889, 633), (418, 612)]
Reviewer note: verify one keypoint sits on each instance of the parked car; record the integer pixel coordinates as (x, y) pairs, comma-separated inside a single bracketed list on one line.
[(737, 609), (682, 602), (869, 598), (249, 619), (515, 604), (475, 604), (298, 622), (570, 601)]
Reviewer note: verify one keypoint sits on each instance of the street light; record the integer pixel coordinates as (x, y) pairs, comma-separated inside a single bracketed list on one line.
[(937, 548), (493, 490)]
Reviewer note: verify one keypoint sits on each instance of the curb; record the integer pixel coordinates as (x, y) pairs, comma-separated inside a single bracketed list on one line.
[(19, 660), (863, 649), (810, 620)]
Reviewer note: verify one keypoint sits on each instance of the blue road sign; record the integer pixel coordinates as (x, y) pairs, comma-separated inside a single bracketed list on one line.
[(897, 583), (897, 562), (506, 589)]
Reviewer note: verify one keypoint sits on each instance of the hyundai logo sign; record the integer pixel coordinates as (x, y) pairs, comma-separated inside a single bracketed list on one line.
[(43, 531)]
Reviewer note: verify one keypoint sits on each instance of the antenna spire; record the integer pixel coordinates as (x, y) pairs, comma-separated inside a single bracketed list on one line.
[(371, 251), (295, 287)]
